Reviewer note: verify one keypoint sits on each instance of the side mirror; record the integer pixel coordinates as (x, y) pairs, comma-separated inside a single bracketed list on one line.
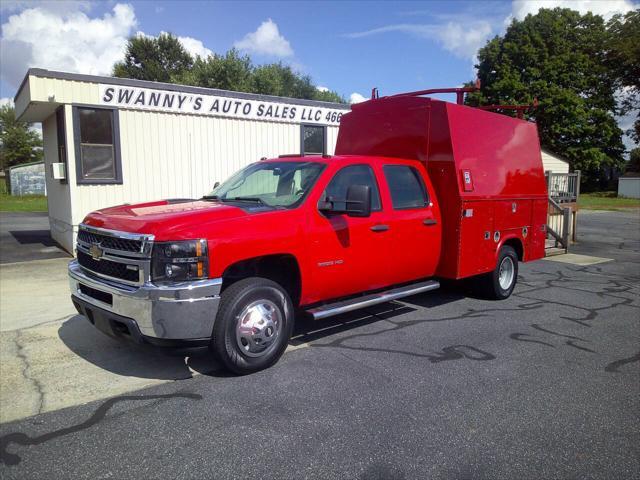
[(216, 185), (358, 203)]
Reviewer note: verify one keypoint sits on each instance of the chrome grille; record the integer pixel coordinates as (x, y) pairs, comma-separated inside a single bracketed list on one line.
[(107, 268), (119, 256), (113, 243)]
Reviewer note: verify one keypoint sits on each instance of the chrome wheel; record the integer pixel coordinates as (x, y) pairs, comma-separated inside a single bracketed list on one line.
[(258, 327), (506, 273)]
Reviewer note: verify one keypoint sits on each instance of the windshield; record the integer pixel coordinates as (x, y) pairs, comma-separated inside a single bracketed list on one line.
[(275, 184)]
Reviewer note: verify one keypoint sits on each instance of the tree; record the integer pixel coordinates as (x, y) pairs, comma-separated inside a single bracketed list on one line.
[(634, 160), (231, 71), (18, 144), (559, 57), (164, 59), (158, 59), (623, 58)]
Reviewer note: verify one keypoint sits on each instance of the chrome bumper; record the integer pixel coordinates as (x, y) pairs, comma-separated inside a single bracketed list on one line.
[(181, 311)]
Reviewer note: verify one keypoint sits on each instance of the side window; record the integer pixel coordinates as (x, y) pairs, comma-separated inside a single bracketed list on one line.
[(406, 187), (352, 175), (97, 145), (313, 139)]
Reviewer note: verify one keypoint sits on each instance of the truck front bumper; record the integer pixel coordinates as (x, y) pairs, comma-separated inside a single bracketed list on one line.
[(178, 315)]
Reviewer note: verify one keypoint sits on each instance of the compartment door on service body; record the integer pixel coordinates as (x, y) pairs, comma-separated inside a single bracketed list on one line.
[(348, 254), (415, 230)]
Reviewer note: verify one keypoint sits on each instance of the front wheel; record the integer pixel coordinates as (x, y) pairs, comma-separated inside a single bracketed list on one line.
[(253, 325), (499, 284)]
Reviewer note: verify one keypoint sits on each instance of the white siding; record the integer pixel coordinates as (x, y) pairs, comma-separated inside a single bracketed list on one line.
[(553, 163), (629, 187), (166, 155), (58, 199)]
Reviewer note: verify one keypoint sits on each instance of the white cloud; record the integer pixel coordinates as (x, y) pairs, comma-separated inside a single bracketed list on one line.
[(6, 101), (195, 47), (266, 40), (605, 8), (461, 39), (355, 97), (73, 42), (320, 88)]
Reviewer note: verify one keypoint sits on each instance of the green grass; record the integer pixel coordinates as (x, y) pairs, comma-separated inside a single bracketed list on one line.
[(606, 201), (26, 203)]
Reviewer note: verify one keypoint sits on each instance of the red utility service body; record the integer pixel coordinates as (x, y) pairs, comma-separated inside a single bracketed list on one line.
[(486, 170)]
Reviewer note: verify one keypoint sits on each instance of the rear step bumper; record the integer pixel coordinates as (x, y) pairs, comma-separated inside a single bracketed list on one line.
[(344, 306)]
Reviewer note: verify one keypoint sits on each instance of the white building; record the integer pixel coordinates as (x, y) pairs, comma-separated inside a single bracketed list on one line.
[(629, 185), (554, 163), (109, 141)]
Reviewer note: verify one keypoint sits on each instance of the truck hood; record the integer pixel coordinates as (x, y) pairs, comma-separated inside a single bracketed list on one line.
[(167, 219)]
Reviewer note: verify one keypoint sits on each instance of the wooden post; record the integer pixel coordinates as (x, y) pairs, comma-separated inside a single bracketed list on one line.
[(566, 217), (575, 209), (548, 175)]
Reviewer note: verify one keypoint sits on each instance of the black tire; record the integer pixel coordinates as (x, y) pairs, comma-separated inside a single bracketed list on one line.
[(226, 339), (491, 281)]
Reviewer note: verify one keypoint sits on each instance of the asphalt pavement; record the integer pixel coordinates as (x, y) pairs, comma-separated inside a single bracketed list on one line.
[(25, 237), (443, 385)]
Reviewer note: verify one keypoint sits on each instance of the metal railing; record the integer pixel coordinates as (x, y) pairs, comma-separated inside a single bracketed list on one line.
[(563, 187), (558, 224)]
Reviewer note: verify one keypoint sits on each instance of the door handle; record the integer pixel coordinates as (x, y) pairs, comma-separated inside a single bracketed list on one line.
[(429, 222), (380, 228)]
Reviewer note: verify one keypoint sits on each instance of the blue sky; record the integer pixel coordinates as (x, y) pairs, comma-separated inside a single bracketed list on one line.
[(345, 46)]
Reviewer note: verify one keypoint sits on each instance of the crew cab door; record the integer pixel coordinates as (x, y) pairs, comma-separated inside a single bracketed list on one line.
[(414, 223), (348, 254)]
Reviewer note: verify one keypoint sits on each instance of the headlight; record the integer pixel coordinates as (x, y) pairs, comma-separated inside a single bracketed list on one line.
[(179, 261)]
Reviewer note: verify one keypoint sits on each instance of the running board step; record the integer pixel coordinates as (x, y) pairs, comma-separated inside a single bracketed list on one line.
[(344, 306)]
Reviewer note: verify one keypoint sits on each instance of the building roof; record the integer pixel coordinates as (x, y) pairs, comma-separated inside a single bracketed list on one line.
[(79, 77)]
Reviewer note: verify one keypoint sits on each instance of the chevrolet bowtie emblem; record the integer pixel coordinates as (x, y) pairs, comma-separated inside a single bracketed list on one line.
[(95, 251)]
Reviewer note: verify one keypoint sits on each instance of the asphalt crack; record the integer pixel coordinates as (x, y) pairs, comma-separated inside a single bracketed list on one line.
[(26, 372)]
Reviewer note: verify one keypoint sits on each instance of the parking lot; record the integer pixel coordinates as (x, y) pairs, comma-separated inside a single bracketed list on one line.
[(443, 385)]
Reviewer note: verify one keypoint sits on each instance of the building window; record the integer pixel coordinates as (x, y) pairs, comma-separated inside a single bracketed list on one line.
[(314, 140), (96, 135), (406, 187)]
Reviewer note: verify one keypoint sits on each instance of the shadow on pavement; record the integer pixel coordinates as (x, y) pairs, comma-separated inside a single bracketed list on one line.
[(127, 359), (29, 237)]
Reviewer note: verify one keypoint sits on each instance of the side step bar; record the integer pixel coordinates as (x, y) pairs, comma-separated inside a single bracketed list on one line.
[(344, 306)]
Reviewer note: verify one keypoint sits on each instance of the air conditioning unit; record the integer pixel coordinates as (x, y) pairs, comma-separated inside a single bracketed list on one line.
[(58, 171)]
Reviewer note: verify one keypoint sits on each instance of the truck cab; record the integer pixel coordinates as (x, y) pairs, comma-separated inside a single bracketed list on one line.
[(321, 234)]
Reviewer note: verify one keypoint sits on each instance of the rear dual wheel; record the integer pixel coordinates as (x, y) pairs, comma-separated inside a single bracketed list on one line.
[(253, 325)]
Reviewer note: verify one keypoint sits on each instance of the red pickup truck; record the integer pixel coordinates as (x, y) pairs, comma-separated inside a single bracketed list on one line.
[(419, 190)]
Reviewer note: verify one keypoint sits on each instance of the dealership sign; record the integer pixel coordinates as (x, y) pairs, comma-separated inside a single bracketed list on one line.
[(195, 104)]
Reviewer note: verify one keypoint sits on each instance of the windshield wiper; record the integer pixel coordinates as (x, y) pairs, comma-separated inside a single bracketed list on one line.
[(243, 199), (211, 197)]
